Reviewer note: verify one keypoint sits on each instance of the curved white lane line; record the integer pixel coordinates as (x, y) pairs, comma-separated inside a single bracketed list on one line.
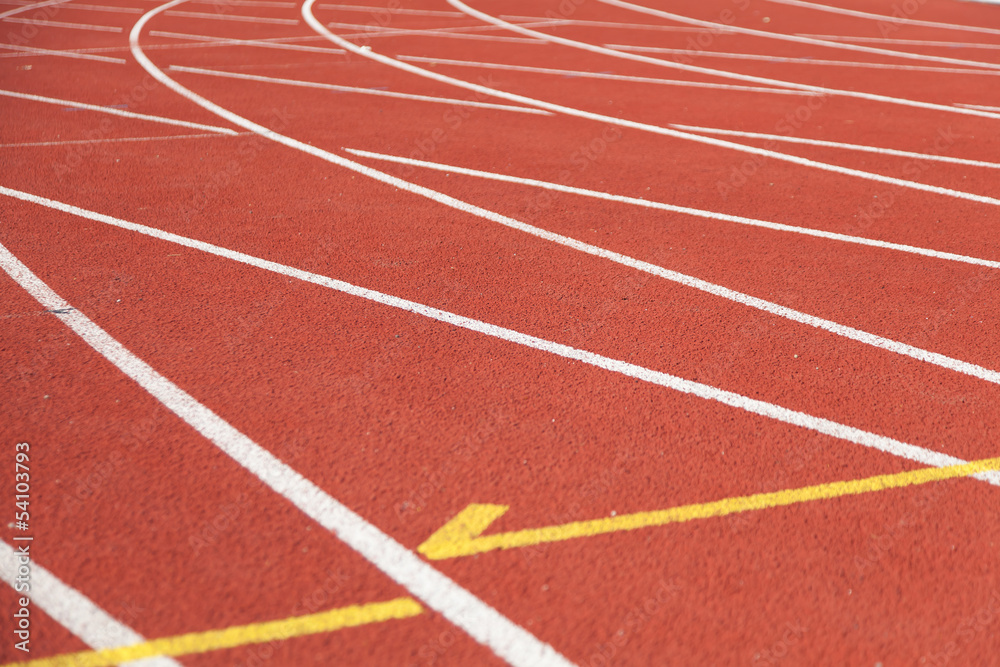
[(64, 604), (359, 91), (836, 144), (624, 55), (117, 112), (707, 392), (911, 42), (684, 210), (886, 18), (812, 41), (702, 285), (656, 129), (481, 621), (25, 8)]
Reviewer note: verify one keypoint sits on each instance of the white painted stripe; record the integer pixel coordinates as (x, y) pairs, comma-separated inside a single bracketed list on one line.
[(63, 24), (886, 18), (105, 8), (805, 61), (64, 604), (448, 33), (584, 46), (894, 40), (268, 43), (608, 24), (680, 18), (568, 73), (979, 106), (707, 392), (655, 129), (35, 5), (231, 17), (836, 144), (116, 112), (376, 10), (26, 50), (113, 141), (483, 623), (361, 91), (247, 3), (645, 203)]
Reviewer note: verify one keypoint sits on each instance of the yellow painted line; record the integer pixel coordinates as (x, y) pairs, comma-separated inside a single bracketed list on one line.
[(462, 536), (255, 633)]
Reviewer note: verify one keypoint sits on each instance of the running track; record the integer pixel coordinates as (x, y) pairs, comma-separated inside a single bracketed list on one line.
[(448, 332)]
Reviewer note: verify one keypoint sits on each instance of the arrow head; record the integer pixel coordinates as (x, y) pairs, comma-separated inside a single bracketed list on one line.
[(458, 536)]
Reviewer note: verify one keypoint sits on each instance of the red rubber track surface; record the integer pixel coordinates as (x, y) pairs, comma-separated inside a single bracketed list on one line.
[(407, 420)]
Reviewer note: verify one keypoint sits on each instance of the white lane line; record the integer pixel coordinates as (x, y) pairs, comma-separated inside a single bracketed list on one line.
[(374, 9), (568, 73), (895, 40), (700, 213), (978, 106), (448, 33), (680, 18), (122, 140), (804, 61), (268, 43), (624, 55), (28, 7), (492, 629), (707, 392), (836, 144), (508, 640), (247, 3), (607, 24), (105, 8), (64, 24), (28, 50), (655, 129), (117, 112), (64, 604), (231, 17), (361, 91), (884, 17)]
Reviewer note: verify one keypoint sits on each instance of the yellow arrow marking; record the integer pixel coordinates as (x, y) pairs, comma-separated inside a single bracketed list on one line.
[(255, 633), (462, 536)]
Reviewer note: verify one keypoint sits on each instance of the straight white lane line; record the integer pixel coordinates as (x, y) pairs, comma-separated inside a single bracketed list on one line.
[(361, 91), (29, 7), (788, 60), (624, 55), (836, 144), (114, 141), (885, 18), (447, 33), (23, 50), (680, 18), (405, 567), (117, 112), (64, 604), (568, 73), (377, 10), (105, 8), (707, 392), (645, 203), (268, 43), (64, 24), (232, 17), (896, 40), (612, 120), (978, 106)]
